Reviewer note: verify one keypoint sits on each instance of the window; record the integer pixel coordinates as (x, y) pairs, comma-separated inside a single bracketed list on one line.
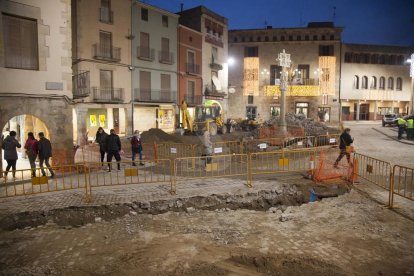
[(266, 38), (144, 14), (274, 111), (106, 13), (251, 51), (315, 37), (332, 37), (105, 42), (165, 21), (391, 83), (165, 50), (374, 59), (323, 37), (235, 39), (251, 112), (306, 37), (144, 49), (399, 84), (298, 38), (382, 83), (165, 87), (348, 57), (259, 38), (190, 91), (250, 99), (275, 38), (282, 38), (214, 55), (373, 82), (302, 108), (364, 82), (20, 43), (290, 38), (145, 85), (326, 50), (356, 82), (324, 114), (105, 80)]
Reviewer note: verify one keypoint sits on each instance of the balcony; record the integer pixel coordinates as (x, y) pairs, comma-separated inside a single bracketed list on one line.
[(81, 85), (192, 68), (145, 53), (215, 65), (166, 57), (293, 90), (192, 100), (151, 95), (106, 15), (108, 95), (214, 39), (296, 81), (210, 90), (106, 52)]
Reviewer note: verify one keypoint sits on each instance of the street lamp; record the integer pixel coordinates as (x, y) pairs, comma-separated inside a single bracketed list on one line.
[(411, 107), (284, 62)]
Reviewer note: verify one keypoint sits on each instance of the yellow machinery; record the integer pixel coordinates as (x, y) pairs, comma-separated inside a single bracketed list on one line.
[(206, 117)]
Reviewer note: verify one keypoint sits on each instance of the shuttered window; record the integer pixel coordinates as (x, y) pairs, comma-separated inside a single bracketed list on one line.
[(20, 43)]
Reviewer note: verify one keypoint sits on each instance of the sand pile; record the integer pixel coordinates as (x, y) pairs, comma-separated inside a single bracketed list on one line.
[(158, 135)]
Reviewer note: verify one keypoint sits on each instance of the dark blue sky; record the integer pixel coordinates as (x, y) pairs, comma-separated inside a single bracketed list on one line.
[(381, 22)]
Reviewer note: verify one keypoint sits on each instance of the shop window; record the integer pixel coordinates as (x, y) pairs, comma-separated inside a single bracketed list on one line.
[(251, 112), (274, 111), (324, 114), (302, 108)]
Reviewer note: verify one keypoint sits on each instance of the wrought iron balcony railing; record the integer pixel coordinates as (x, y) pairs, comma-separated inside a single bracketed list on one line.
[(165, 57), (193, 99), (106, 52), (210, 90), (192, 68), (81, 85), (151, 95), (145, 53), (109, 95)]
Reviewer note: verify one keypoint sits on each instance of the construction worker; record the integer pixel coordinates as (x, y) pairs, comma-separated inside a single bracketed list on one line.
[(410, 128), (401, 127)]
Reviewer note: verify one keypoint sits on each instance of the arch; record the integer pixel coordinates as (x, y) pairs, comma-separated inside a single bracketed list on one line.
[(399, 84), (356, 82), (382, 83), (364, 82), (373, 82), (390, 85)]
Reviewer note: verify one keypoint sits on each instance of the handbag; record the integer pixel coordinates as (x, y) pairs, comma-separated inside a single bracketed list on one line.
[(348, 149)]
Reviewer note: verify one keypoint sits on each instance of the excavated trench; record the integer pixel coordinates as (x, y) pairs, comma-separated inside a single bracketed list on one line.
[(275, 200)]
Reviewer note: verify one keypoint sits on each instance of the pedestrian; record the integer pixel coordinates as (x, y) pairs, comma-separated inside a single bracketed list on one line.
[(100, 138), (410, 128), (10, 145), (208, 146), (345, 141), (31, 150), (401, 127), (136, 147), (45, 152), (113, 148)]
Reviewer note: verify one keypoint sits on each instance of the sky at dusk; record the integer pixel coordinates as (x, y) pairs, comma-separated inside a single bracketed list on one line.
[(381, 22)]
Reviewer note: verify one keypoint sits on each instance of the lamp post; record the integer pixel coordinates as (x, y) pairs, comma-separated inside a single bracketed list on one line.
[(411, 106), (284, 62)]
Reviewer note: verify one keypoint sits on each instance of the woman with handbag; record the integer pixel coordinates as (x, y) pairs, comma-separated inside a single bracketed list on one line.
[(345, 147)]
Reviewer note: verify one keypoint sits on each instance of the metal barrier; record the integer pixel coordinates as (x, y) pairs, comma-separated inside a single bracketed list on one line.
[(159, 171), (402, 183), (174, 150), (281, 161), (261, 145), (67, 177), (215, 166), (373, 170), (327, 140), (300, 142)]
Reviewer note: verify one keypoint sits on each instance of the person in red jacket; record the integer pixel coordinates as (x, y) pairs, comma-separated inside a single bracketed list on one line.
[(31, 150)]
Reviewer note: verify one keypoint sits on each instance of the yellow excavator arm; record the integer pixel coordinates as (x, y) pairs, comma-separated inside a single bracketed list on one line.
[(185, 117)]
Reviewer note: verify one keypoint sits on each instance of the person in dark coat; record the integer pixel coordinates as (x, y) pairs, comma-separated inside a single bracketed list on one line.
[(136, 147), (31, 150), (10, 145), (45, 152), (100, 138), (113, 147), (345, 141)]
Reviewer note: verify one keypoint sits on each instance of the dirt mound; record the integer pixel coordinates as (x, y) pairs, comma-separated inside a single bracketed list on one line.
[(157, 135)]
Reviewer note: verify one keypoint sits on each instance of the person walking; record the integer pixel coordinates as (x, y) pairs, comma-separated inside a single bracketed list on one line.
[(136, 147), (401, 127), (10, 145), (45, 152), (410, 128), (345, 141), (31, 150), (208, 146), (113, 148), (100, 138)]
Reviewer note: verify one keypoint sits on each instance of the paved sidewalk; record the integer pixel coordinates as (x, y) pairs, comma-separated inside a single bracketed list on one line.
[(392, 132)]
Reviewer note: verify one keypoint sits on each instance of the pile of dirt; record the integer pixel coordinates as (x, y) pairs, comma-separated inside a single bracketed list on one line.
[(158, 135), (311, 127)]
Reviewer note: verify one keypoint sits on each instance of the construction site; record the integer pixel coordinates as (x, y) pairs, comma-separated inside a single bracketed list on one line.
[(260, 204)]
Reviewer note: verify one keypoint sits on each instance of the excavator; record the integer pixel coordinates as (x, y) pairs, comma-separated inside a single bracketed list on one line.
[(206, 117)]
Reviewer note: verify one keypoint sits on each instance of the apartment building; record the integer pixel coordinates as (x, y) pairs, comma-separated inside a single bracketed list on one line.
[(214, 30), (190, 80), (35, 72), (101, 58), (375, 80), (313, 75), (154, 67)]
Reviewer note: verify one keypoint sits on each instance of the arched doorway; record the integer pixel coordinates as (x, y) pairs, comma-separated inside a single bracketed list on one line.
[(23, 124)]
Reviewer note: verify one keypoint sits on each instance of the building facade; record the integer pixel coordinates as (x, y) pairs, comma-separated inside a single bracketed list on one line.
[(214, 31), (375, 80), (154, 63), (101, 50), (313, 76), (190, 80), (35, 72)]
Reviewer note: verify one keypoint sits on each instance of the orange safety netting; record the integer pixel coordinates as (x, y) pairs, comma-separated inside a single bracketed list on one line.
[(325, 169)]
